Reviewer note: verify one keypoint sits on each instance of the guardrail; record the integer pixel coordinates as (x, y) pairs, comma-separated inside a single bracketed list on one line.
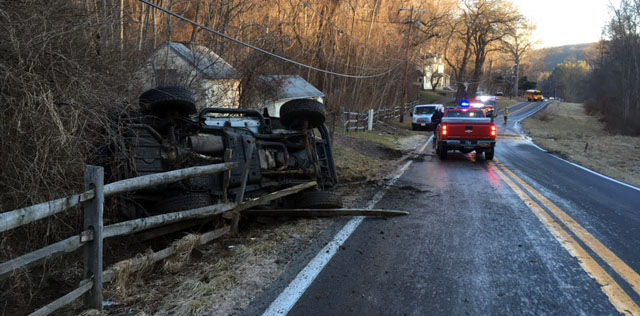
[(94, 232)]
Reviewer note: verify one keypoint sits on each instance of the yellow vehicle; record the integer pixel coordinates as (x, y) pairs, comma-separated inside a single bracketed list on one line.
[(534, 95)]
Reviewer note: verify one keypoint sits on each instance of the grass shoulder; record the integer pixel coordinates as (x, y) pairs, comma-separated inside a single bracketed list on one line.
[(567, 131)]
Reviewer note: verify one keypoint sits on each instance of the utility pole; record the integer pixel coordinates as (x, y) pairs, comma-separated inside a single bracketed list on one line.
[(517, 76), (405, 85)]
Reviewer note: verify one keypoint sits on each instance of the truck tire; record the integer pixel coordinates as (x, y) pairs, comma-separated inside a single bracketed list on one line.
[(187, 201), (163, 100), (488, 155), (295, 112), (316, 199), (442, 151)]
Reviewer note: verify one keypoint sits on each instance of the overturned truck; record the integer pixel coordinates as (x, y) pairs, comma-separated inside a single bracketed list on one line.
[(272, 153)]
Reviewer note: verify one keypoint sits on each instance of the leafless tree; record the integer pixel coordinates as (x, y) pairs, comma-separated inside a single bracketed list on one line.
[(516, 44)]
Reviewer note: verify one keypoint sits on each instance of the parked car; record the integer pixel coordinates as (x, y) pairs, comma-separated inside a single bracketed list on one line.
[(169, 134), (466, 130), (421, 116)]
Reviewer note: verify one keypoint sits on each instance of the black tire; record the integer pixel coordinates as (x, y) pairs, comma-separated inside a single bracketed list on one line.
[(295, 112), (413, 127), (163, 100), (183, 202), (488, 155), (316, 200), (442, 151)]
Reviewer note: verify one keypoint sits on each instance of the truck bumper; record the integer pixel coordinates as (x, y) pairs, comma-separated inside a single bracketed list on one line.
[(469, 144), (427, 126)]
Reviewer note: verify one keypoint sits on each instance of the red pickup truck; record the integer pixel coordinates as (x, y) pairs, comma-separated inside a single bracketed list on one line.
[(466, 130)]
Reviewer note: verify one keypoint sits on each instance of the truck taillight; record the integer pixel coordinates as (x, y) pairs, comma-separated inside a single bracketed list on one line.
[(444, 129), (493, 130)]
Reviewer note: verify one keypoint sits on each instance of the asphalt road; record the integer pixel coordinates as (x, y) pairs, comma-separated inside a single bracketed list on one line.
[(527, 234)]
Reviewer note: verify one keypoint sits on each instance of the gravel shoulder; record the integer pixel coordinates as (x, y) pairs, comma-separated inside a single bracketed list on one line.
[(566, 130)]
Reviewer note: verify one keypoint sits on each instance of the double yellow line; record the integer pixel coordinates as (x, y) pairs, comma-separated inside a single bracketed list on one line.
[(617, 296)]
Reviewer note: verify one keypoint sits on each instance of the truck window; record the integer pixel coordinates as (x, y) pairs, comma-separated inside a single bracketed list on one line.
[(465, 114)]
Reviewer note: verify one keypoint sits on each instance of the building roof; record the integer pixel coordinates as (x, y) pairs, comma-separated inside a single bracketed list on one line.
[(204, 60), (289, 87)]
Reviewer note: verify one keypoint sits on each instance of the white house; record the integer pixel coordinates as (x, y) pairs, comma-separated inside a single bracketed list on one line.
[(433, 74), (276, 90), (215, 81)]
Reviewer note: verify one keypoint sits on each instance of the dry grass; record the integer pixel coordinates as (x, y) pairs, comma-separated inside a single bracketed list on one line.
[(386, 140), (353, 165), (220, 278), (564, 128)]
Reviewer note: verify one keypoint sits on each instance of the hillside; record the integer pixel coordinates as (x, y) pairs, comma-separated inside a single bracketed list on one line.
[(552, 56)]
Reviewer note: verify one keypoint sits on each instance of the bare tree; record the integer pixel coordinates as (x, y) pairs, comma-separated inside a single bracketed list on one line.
[(516, 44), (481, 25)]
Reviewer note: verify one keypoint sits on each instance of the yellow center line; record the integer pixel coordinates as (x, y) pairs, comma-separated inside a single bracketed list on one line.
[(617, 296), (619, 266)]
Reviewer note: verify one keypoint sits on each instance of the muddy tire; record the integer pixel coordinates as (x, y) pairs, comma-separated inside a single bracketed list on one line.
[(163, 100), (316, 200), (294, 113), (183, 202), (488, 155)]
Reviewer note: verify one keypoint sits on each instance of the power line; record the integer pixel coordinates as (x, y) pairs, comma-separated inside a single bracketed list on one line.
[(225, 36)]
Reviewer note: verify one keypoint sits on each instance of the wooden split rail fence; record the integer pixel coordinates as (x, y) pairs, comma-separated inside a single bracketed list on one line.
[(364, 121), (94, 232)]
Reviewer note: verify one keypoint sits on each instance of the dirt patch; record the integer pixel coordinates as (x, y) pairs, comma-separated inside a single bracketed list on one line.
[(365, 156), (367, 147), (411, 143), (567, 131)]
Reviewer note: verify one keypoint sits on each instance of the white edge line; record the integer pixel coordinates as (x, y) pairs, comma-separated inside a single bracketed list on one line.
[(292, 293), (575, 164), (587, 169), (426, 144)]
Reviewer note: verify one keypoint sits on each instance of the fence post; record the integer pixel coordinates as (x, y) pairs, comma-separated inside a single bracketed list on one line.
[(370, 125), (347, 121), (93, 222)]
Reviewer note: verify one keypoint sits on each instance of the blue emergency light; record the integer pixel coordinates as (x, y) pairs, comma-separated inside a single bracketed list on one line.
[(464, 104)]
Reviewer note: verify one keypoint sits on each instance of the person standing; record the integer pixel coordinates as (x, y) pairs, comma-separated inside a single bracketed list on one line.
[(436, 118), (506, 116)]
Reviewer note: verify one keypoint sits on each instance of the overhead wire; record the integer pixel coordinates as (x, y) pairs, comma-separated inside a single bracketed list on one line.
[(227, 37)]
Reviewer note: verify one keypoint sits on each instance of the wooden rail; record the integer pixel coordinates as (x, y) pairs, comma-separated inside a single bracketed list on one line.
[(19, 217), (362, 121), (94, 232)]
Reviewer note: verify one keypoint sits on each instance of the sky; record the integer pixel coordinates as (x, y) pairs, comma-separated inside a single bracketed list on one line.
[(564, 22)]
